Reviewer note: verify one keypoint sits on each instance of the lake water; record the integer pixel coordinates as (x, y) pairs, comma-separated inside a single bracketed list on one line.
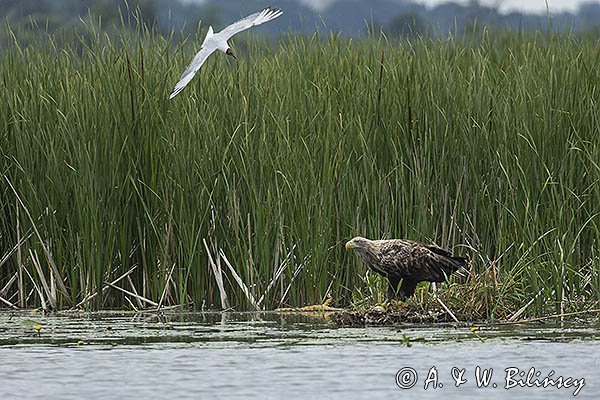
[(274, 356)]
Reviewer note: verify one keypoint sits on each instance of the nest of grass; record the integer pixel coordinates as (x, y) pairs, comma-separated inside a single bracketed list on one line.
[(457, 303), (460, 304), (393, 313)]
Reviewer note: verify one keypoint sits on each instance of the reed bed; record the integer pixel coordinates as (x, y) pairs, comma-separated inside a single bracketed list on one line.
[(242, 190)]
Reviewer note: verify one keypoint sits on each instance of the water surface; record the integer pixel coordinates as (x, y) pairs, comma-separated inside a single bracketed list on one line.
[(269, 355)]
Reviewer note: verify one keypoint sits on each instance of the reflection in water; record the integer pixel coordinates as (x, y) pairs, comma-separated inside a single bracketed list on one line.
[(269, 355)]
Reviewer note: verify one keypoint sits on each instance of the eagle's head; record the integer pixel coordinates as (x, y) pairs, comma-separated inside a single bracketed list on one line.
[(362, 245), (367, 249), (358, 243)]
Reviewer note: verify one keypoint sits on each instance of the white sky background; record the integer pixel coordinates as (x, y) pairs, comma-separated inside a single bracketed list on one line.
[(537, 6)]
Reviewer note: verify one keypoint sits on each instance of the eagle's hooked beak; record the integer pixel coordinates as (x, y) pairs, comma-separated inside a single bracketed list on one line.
[(349, 245)]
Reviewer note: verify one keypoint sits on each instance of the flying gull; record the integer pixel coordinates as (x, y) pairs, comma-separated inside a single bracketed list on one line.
[(218, 41)]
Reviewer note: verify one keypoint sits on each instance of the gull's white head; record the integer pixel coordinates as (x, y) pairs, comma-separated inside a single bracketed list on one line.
[(229, 52)]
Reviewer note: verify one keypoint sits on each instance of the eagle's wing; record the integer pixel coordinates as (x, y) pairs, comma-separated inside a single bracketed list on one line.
[(251, 20), (404, 258)]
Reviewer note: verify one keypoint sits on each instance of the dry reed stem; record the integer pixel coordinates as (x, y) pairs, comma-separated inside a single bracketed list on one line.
[(93, 295), (446, 308), (296, 273), (20, 260), (522, 309), (40, 272), (561, 315), (239, 281), (165, 289), (37, 289), (278, 273), (218, 277), (137, 296), (8, 303), (15, 249), (61, 284), (134, 290), (250, 256), (131, 304), (8, 285)]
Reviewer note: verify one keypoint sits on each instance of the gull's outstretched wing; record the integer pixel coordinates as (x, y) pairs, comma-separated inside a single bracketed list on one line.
[(251, 20), (191, 70)]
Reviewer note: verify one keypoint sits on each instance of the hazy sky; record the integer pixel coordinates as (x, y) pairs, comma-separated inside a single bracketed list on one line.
[(524, 5), (538, 6)]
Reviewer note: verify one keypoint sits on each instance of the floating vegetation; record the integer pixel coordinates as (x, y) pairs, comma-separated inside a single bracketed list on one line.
[(395, 313)]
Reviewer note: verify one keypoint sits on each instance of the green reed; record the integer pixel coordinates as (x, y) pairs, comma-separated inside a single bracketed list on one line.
[(488, 146)]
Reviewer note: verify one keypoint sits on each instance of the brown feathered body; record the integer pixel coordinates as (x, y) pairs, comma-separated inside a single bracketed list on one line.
[(406, 262)]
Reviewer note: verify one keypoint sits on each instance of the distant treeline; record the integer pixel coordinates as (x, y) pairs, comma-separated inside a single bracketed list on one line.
[(30, 17)]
